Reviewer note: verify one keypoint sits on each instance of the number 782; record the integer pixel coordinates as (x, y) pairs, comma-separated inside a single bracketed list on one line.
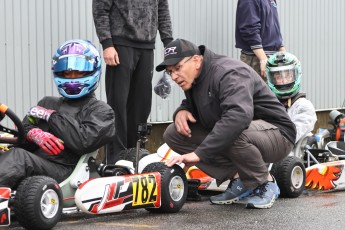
[(145, 189)]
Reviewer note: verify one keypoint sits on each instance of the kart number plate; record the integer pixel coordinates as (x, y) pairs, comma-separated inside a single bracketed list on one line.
[(145, 189)]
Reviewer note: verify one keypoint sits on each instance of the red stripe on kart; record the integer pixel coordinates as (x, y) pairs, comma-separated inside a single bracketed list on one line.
[(166, 156), (5, 193)]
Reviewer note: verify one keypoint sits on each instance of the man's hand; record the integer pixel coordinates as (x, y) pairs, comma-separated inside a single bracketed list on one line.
[(111, 56), (282, 49), (181, 122), (263, 68), (46, 141), (189, 159), (40, 112), (260, 54)]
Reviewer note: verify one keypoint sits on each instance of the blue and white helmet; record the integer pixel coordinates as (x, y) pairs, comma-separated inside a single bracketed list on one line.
[(79, 55)]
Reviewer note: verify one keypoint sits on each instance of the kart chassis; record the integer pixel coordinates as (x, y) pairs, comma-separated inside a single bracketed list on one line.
[(92, 188)]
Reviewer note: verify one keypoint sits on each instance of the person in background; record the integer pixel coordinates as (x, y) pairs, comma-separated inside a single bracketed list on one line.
[(230, 122), (258, 32), (59, 130), (127, 31)]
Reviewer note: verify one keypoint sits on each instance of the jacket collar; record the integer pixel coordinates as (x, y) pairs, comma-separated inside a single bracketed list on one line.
[(206, 63)]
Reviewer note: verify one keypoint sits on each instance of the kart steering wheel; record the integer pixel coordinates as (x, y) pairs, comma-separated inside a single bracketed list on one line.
[(18, 134)]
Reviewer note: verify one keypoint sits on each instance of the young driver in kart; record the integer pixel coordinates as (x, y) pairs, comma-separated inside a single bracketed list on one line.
[(61, 129), (284, 74)]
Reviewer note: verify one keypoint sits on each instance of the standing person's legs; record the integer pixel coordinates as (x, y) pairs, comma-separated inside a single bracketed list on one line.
[(140, 93), (252, 61), (117, 82)]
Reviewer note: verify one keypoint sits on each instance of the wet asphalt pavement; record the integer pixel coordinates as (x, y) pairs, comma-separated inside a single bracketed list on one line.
[(312, 210)]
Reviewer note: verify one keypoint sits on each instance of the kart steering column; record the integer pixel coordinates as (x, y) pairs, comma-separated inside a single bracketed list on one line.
[(143, 130)]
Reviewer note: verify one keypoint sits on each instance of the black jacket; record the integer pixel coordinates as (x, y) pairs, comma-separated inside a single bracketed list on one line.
[(226, 97), (83, 124)]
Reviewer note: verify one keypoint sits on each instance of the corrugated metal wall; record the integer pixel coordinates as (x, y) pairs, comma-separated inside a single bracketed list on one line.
[(207, 22), (314, 31), (32, 29)]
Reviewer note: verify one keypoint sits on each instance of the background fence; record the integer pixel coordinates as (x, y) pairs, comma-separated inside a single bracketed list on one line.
[(31, 30)]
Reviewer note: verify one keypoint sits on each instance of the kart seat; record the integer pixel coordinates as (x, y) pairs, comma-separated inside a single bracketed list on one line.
[(337, 148), (80, 174), (299, 149)]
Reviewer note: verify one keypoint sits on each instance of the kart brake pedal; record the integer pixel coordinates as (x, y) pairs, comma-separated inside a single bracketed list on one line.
[(193, 193)]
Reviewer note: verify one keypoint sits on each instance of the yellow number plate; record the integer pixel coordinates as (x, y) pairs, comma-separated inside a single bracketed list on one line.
[(145, 189)]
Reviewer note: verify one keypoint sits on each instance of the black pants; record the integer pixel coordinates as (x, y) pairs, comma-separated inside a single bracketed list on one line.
[(129, 93), (18, 164)]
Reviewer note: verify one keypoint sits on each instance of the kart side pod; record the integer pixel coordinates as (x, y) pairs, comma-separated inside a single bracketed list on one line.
[(158, 189), (117, 193)]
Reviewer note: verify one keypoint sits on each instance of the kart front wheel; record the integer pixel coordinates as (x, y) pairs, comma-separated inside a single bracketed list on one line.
[(173, 187), (38, 203), (290, 175)]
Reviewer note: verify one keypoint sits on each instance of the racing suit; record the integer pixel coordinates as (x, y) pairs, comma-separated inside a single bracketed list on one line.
[(302, 113), (84, 125)]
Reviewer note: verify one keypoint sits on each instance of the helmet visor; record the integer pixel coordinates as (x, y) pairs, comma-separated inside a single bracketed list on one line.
[(282, 75), (73, 62), (73, 88)]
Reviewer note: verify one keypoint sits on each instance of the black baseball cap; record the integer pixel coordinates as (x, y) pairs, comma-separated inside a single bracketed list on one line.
[(175, 51)]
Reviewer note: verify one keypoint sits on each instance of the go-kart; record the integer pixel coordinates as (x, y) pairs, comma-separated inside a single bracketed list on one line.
[(93, 188), (327, 169)]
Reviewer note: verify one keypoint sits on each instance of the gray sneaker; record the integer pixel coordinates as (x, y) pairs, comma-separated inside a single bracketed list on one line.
[(235, 192), (264, 195)]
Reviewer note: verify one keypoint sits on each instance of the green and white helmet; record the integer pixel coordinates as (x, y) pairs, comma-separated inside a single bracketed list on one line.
[(283, 71)]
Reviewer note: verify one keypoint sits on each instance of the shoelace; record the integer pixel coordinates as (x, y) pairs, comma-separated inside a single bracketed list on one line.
[(259, 191), (231, 184)]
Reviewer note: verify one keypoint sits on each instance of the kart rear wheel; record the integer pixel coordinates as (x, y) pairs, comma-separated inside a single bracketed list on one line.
[(290, 175), (131, 154), (38, 203), (173, 187)]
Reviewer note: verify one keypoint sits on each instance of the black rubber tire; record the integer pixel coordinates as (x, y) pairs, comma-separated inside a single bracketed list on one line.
[(27, 202), (168, 174), (284, 171), (130, 154)]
